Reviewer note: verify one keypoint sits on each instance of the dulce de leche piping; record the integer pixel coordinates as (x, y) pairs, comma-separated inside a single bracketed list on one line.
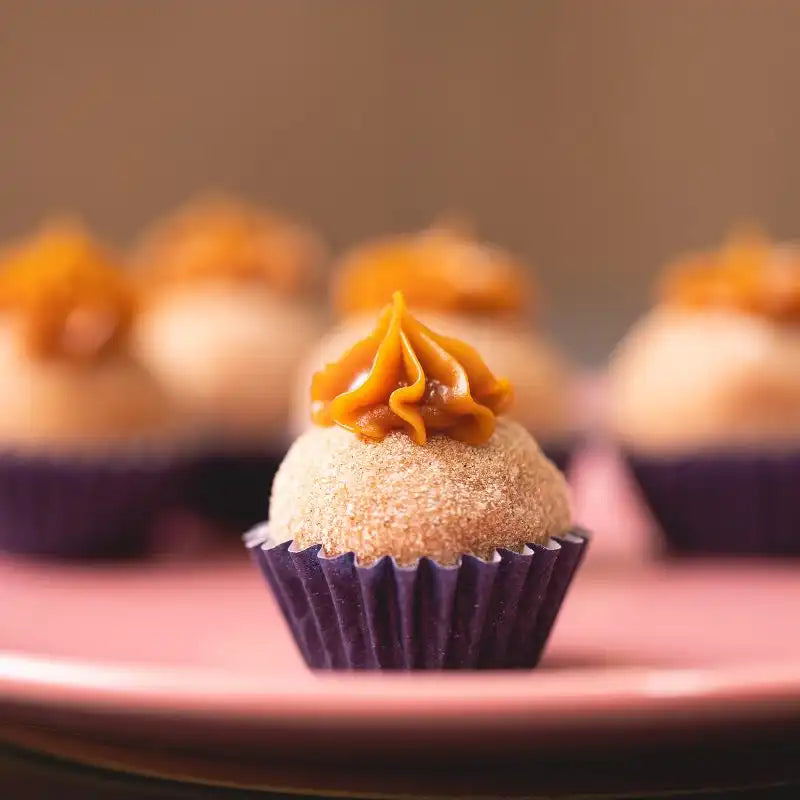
[(747, 273), (404, 376), (222, 239), (69, 297), (443, 268)]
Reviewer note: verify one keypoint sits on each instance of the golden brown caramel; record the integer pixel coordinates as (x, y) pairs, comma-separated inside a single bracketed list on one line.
[(71, 298), (404, 376), (222, 239), (443, 268), (747, 273)]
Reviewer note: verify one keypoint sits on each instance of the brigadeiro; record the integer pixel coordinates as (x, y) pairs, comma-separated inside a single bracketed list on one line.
[(410, 528), (90, 444), (228, 311), (705, 399)]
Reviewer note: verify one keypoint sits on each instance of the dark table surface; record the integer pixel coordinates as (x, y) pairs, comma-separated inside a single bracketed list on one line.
[(741, 766)]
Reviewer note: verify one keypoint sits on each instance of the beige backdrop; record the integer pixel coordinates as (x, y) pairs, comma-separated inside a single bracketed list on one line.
[(595, 137)]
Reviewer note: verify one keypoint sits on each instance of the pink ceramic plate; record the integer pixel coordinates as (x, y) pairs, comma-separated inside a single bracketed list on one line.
[(197, 645)]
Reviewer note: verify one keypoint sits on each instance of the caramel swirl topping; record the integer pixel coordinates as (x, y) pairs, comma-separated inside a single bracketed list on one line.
[(748, 273), (443, 268), (404, 376), (70, 297), (221, 239)]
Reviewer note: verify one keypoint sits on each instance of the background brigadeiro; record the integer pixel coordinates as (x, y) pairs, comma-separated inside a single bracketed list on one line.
[(227, 314), (705, 398), (90, 445)]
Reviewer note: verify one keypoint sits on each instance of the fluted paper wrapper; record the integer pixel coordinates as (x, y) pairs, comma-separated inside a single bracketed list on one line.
[(724, 503), (232, 489), (494, 614), (84, 506)]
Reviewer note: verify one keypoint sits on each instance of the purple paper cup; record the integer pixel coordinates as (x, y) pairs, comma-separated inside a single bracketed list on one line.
[(100, 506), (494, 614), (231, 489), (744, 503)]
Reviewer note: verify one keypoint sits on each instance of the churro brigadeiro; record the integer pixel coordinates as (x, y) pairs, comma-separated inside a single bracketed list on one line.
[(705, 399), (227, 314), (228, 311), (90, 443), (716, 363), (408, 458)]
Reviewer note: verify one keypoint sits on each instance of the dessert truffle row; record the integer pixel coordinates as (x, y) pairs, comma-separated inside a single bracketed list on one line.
[(221, 311), (167, 367)]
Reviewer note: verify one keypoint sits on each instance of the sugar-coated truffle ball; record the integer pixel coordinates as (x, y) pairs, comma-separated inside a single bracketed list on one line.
[(709, 378), (227, 353), (58, 404), (394, 497)]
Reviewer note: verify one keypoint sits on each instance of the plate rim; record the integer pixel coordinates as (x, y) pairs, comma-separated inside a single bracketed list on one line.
[(553, 700)]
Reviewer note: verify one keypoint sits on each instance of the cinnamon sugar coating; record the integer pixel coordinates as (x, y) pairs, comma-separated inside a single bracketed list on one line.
[(394, 497)]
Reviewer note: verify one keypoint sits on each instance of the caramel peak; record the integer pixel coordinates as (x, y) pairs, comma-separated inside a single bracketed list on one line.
[(444, 268), (71, 297), (748, 273), (403, 376)]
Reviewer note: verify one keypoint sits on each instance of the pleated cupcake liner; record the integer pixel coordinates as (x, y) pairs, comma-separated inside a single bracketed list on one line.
[(495, 614), (744, 503), (84, 506), (231, 489)]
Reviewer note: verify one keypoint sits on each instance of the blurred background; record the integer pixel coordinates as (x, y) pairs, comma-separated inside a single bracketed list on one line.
[(594, 138)]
